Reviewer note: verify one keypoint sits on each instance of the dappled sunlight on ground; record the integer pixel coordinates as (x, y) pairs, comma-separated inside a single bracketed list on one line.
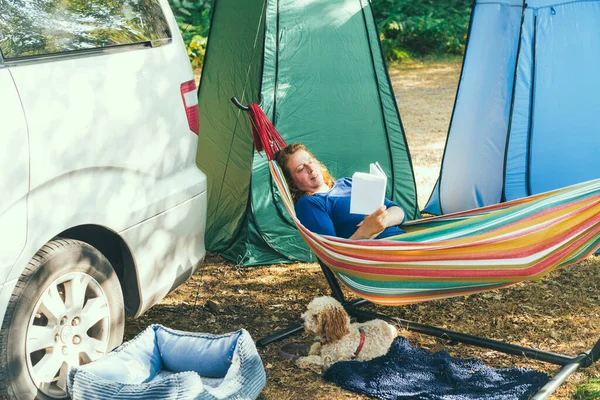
[(560, 314)]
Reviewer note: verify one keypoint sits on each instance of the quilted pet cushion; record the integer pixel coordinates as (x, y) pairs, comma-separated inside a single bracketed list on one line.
[(162, 363)]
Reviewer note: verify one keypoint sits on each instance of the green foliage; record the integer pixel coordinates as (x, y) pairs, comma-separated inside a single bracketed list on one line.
[(416, 27), (422, 27), (193, 19), (589, 390)]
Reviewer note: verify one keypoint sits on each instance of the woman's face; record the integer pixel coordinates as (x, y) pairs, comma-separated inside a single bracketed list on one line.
[(305, 172)]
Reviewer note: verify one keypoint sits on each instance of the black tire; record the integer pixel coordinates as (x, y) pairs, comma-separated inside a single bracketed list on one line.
[(58, 260)]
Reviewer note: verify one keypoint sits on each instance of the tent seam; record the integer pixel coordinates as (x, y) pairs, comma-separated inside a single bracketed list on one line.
[(512, 104), (531, 108)]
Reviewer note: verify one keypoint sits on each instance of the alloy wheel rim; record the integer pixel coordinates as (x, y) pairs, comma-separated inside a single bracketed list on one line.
[(69, 327)]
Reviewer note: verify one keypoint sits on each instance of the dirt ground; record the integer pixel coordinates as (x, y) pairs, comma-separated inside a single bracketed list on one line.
[(559, 313)]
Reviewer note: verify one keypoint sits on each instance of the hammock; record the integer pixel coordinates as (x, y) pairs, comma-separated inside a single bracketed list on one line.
[(455, 254)]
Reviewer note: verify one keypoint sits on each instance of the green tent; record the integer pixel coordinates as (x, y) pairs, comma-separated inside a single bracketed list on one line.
[(317, 68)]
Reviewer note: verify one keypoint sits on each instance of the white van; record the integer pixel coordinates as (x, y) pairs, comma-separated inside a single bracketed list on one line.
[(102, 208)]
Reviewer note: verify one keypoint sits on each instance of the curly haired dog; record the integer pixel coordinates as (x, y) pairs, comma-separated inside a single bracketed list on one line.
[(341, 340)]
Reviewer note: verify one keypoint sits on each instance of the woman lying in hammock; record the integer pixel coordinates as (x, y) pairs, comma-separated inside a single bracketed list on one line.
[(323, 205)]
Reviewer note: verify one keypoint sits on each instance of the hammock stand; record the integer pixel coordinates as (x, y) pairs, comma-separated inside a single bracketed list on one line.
[(268, 140)]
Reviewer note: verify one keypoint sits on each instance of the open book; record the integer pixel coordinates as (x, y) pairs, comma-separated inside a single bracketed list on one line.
[(368, 190)]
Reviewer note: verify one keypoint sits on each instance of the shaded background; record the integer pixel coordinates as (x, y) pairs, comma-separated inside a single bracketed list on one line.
[(408, 29)]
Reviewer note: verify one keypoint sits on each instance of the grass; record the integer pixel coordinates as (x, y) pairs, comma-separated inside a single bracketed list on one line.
[(589, 390)]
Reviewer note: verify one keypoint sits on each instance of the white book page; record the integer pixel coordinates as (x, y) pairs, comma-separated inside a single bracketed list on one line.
[(368, 191), (375, 169)]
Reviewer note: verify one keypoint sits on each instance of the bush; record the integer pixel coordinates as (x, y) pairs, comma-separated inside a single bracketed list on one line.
[(193, 19), (418, 27), (422, 27)]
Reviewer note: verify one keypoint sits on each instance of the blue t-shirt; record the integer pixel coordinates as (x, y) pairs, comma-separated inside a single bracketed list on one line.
[(328, 213)]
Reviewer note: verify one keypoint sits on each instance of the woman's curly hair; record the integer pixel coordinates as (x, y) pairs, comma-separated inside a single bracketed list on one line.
[(282, 157)]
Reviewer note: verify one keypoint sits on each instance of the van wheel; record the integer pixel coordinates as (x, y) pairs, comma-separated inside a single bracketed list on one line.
[(66, 310)]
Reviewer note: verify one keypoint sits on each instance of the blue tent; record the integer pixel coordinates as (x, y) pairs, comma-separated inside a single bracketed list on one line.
[(526, 117)]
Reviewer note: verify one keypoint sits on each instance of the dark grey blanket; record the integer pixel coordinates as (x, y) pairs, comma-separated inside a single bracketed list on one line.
[(407, 372)]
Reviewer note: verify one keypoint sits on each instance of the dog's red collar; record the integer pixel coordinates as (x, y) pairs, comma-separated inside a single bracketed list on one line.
[(361, 344)]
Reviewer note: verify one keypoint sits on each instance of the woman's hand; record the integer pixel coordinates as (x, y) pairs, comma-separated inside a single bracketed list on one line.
[(372, 225)]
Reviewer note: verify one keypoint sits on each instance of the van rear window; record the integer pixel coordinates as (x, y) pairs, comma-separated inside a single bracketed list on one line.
[(41, 27)]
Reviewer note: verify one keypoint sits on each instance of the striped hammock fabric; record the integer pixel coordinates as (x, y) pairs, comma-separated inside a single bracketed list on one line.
[(466, 252), (455, 254)]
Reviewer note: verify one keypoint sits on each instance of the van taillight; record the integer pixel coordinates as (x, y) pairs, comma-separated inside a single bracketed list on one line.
[(190, 102)]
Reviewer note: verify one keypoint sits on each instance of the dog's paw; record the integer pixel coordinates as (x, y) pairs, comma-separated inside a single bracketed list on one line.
[(314, 349), (302, 362), (313, 363)]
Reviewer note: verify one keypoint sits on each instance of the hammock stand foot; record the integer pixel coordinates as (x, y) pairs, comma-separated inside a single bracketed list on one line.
[(569, 364)]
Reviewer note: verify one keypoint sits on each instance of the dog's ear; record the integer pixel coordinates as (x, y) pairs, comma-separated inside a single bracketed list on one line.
[(333, 324)]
